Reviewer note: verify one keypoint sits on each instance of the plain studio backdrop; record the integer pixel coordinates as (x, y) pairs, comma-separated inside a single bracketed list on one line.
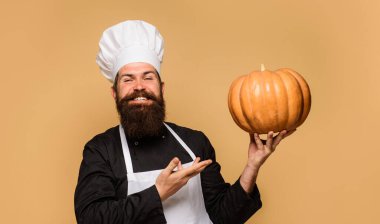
[(54, 99)]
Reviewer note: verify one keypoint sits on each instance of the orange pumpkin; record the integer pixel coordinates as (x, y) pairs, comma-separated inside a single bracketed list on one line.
[(266, 101)]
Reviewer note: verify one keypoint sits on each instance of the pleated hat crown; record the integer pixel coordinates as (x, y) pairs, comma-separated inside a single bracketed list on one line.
[(128, 42)]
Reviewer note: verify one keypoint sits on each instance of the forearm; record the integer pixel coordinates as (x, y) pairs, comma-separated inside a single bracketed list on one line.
[(258, 153), (135, 208), (228, 203), (248, 177)]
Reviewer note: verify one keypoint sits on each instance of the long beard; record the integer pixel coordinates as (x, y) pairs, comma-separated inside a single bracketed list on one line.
[(140, 121)]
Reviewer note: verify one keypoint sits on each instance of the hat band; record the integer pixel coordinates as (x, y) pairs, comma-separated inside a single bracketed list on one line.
[(136, 54)]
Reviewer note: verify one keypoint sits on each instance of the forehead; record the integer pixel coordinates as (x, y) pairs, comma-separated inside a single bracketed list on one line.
[(136, 68)]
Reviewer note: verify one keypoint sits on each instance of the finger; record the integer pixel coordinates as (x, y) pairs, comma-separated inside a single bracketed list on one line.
[(193, 174), (173, 164), (180, 165), (200, 167), (197, 159), (196, 167), (252, 137), (285, 135), (278, 138), (269, 140), (252, 142), (258, 141), (289, 133)]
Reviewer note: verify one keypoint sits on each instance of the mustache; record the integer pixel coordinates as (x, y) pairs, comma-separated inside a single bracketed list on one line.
[(140, 93)]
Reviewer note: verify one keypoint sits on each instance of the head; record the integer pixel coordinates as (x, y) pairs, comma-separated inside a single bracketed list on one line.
[(138, 93), (130, 55)]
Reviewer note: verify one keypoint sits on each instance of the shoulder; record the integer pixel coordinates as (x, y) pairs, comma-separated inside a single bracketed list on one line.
[(106, 137), (104, 143)]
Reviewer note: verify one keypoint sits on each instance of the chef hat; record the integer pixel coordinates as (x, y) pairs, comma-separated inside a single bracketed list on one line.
[(128, 42)]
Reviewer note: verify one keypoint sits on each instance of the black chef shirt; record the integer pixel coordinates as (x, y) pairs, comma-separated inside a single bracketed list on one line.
[(101, 195)]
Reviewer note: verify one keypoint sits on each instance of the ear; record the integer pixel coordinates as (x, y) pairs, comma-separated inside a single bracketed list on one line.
[(162, 87), (113, 93)]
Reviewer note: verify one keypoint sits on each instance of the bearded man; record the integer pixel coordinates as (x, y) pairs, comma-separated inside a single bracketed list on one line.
[(146, 170)]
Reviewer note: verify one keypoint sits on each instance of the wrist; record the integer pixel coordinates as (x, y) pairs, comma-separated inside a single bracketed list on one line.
[(160, 193)]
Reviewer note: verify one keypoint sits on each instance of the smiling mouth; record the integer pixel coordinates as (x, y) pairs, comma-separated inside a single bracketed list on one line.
[(140, 99)]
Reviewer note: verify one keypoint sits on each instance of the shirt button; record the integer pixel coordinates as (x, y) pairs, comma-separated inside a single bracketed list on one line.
[(136, 143), (163, 136)]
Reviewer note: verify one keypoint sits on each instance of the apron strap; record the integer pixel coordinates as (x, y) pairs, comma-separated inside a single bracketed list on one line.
[(127, 155), (188, 150)]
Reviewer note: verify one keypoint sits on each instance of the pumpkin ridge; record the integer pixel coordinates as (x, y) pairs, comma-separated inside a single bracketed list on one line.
[(269, 102), (234, 103), (244, 119), (302, 102), (257, 101), (276, 90), (284, 86), (306, 97), (248, 112), (296, 90), (230, 101)]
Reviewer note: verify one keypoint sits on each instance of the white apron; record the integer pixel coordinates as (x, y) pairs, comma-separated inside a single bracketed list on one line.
[(186, 205)]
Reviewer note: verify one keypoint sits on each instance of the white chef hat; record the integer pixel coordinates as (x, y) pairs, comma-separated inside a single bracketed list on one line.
[(128, 42)]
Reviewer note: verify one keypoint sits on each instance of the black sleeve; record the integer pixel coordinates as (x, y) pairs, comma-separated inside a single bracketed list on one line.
[(96, 200), (226, 203)]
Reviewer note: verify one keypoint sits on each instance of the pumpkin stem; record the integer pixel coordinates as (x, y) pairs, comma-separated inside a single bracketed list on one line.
[(262, 67)]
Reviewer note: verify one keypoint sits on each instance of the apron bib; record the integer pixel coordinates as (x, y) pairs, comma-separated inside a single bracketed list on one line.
[(186, 205)]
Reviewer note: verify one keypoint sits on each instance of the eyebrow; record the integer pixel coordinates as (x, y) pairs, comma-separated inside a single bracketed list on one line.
[(144, 73)]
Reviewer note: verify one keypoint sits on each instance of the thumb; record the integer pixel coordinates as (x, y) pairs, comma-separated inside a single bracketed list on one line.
[(173, 164)]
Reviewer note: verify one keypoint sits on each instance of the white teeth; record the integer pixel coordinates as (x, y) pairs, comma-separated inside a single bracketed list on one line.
[(140, 98)]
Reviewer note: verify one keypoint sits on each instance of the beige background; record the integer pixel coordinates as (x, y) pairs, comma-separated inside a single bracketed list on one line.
[(54, 99)]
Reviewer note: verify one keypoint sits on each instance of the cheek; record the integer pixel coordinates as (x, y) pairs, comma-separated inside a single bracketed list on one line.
[(154, 88), (123, 91)]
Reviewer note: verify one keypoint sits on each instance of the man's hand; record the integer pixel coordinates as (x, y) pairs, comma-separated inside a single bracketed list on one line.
[(259, 151), (170, 181)]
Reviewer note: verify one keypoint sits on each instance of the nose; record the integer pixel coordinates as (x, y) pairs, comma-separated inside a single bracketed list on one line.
[(139, 85)]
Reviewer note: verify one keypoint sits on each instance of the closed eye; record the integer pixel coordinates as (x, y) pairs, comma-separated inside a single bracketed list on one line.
[(127, 80), (149, 75)]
